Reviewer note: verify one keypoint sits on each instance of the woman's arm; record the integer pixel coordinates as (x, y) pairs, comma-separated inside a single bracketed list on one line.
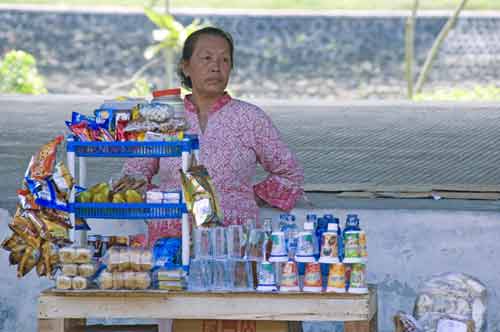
[(283, 187), (148, 167)]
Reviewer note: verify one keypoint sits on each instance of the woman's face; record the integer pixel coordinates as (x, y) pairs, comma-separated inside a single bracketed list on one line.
[(209, 66)]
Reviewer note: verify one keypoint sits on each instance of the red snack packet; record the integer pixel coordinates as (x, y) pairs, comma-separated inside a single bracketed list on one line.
[(43, 163), (137, 241)]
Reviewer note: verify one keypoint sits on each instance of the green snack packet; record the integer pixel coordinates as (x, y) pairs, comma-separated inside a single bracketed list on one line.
[(201, 198)]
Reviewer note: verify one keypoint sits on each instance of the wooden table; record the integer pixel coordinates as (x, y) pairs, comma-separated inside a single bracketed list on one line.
[(63, 311)]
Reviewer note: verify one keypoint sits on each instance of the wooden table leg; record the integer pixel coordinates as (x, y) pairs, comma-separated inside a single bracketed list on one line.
[(362, 326), (61, 325), (294, 326)]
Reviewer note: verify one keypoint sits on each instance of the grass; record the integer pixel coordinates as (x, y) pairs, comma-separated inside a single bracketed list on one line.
[(278, 4)]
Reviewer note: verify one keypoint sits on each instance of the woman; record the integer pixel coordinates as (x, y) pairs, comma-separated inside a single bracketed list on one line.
[(234, 136)]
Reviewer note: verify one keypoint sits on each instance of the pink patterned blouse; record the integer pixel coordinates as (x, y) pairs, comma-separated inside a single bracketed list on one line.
[(238, 135)]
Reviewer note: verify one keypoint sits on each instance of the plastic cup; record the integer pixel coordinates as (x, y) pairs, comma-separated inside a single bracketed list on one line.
[(278, 250), (267, 278), (219, 243), (329, 252), (221, 275), (357, 282), (336, 278), (312, 278), (242, 277), (256, 244), (305, 247), (235, 241), (199, 275), (202, 243), (289, 280)]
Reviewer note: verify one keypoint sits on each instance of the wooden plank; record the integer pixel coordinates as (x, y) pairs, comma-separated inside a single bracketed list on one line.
[(467, 195), (356, 194), (195, 325), (411, 195), (60, 325), (183, 305)]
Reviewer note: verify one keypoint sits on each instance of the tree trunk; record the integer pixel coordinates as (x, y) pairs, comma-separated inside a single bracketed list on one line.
[(410, 47), (437, 44)]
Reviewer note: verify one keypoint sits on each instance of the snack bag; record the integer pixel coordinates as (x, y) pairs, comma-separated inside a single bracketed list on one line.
[(43, 163), (201, 199)]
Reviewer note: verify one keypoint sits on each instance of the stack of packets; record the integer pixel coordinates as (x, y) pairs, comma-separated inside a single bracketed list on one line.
[(41, 222), (201, 198), (128, 120), (76, 268), (126, 268), (163, 197), (169, 278)]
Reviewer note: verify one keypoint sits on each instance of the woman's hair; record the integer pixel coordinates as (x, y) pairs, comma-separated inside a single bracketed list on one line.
[(189, 45)]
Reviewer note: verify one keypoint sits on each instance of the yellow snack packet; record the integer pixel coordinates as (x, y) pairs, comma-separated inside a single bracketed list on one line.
[(201, 198)]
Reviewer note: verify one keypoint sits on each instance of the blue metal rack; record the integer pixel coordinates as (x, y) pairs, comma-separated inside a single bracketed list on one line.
[(128, 210)]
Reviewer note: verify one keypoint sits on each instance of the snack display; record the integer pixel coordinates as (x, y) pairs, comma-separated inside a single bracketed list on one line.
[(79, 283), (63, 282), (86, 270), (69, 270)]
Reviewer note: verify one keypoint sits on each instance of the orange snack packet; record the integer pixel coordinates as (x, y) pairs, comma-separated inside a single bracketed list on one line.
[(43, 163)]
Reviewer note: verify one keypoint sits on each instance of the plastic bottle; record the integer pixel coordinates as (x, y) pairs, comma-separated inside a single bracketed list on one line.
[(291, 230)]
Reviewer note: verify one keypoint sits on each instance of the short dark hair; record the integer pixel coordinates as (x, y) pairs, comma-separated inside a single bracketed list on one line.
[(189, 45)]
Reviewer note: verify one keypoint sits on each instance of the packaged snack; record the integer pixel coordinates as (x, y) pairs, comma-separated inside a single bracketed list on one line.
[(12, 242), (26, 234), (137, 241), (146, 261), (79, 283), (28, 261), (142, 280), (63, 282), (67, 255), (135, 259), (166, 252), (171, 285), (118, 280), (112, 259), (15, 256), (201, 198), (62, 177), (27, 200), (86, 270), (43, 163), (122, 119), (124, 264), (129, 280), (83, 255), (48, 260), (105, 280), (69, 270)]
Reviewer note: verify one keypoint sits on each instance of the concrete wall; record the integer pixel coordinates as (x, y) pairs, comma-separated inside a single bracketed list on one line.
[(405, 247), (282, 55)]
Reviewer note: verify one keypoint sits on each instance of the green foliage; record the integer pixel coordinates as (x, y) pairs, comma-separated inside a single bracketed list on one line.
[(170, 34), (141, 89), (477, 93), (18, 74)]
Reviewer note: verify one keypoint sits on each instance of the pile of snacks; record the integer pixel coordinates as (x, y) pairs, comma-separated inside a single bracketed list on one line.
[(126, 190), (41, 222), (126, 268), (76, 268), (129, 120), (173, 279)]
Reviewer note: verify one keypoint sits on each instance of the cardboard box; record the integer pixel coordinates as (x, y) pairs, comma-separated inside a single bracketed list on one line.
[(191, 325)]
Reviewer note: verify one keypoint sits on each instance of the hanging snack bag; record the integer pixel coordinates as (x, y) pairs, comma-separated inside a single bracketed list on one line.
[(201, 198), (43, 163)]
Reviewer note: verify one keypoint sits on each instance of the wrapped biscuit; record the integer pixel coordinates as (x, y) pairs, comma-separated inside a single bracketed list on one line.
[(142, 280), (63, 282), (112, 259), (69, 270), (105, 280), (83, 255), (124, 264), (86, 270), (129, 280), (146, 261), (135, 259), (118, 280), (67, 255), (79, 283), (201, 199)]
